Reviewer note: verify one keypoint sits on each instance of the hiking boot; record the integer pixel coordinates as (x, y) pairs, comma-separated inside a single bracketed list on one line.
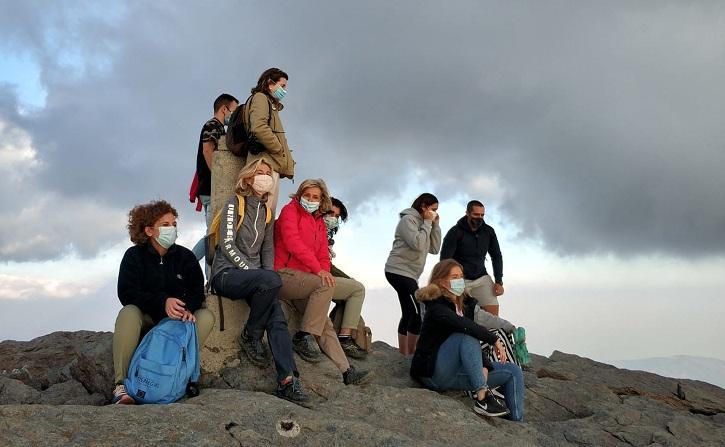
[(351, 348), (490, 406), (354, 377), (292, 391), (120, 397), (254, 348), (307, 348)]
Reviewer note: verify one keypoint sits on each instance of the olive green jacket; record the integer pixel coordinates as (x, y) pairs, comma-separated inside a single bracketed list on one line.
[(271, 135)]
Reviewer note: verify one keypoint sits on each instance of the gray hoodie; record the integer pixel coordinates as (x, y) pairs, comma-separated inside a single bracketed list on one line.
[(414, 239), (252, 246)]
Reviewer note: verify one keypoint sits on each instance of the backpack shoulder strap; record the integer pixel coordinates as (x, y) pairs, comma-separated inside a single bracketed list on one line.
[(269, 214)]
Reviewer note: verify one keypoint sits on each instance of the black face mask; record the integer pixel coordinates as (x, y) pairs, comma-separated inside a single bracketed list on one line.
[(475, 223)]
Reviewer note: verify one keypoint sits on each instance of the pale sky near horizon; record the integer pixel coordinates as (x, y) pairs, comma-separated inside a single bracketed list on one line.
[(593, 133)]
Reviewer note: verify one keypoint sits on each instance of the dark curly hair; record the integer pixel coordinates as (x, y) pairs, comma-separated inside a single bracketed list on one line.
[(145, 215)]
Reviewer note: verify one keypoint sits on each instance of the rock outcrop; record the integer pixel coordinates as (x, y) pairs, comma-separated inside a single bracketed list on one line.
[(51, 389)]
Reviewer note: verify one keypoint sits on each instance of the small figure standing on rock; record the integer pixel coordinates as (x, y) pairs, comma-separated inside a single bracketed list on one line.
[(468, 242), (417, 234), (302, 260), (449, 357), (243, 269), (157, 279)]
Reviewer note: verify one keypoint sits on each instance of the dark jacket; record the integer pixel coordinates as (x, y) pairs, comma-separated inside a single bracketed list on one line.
[(145, 279), (439, 322), (470, 247)]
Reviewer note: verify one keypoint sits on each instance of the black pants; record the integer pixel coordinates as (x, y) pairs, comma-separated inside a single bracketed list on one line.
[(259, 288), (405, 288)]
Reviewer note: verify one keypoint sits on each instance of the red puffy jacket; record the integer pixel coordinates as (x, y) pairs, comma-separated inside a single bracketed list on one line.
[(300, 240)]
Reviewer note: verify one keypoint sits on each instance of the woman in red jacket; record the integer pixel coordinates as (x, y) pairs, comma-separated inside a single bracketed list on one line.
[(303, 262)]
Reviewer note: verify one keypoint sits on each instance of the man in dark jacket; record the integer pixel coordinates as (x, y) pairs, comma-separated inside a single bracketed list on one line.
[(468, 242), (157, 279)]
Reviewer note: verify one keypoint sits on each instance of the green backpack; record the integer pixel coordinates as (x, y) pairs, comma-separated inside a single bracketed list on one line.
[(520, 350)]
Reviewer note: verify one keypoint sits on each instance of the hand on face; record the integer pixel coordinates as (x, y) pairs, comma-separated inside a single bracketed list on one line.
[(431, 213)]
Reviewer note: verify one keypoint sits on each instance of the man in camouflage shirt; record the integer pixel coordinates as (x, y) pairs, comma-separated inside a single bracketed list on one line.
[(213, 129)]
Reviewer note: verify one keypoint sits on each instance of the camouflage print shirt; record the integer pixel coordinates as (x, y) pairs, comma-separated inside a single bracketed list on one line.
[(211, 132)]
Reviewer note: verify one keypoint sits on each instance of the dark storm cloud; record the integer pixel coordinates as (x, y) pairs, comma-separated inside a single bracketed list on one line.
[(602, 122)]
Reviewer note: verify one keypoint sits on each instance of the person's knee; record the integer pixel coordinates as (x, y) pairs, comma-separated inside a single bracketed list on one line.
[(269, 280), (205, 318), (129, 317), (358, 289)]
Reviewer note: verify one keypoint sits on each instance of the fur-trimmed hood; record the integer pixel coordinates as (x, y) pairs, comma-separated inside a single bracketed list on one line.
[(428, 293)]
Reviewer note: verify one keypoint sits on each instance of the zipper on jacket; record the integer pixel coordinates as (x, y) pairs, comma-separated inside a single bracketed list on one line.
[(256, 231)]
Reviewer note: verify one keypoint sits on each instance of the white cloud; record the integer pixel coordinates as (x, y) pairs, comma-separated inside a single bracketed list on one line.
[(20, 288)]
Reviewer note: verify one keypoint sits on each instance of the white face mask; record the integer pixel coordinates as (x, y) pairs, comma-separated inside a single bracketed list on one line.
[(263, 183), (167, 236)]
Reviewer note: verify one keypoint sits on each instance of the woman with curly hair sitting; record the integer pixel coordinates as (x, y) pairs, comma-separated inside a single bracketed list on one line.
[(157, 279)]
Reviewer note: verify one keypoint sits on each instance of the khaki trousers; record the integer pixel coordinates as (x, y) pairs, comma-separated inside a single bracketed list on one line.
[(353, 293), (305, 292), (131, 323)]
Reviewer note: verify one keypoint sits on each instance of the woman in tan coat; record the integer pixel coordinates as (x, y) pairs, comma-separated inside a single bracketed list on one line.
[(262, 120)]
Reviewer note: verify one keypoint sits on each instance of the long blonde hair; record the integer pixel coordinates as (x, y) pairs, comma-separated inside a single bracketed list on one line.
[(246, 172), (325, 201), (439, 277)]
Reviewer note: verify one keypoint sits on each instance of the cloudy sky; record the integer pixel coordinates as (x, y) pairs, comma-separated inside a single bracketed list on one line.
[(592, 131)]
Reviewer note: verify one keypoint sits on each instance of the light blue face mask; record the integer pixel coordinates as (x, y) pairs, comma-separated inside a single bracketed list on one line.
[(227, 119), (167, 236), (457, 286), (279, 93), (310, 207)]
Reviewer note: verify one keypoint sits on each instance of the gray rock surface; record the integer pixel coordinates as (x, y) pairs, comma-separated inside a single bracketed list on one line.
[(570, 400)]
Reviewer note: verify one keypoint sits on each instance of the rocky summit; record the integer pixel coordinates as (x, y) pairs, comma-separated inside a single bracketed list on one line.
[(54, 390)]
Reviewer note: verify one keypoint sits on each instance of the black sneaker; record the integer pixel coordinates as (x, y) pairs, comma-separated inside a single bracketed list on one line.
[(292, 391), (351, 348), (307, 348), (255, 349), (354, 377), (490, 406)]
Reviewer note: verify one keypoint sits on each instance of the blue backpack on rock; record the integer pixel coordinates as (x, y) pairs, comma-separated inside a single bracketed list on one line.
[(165, 364)]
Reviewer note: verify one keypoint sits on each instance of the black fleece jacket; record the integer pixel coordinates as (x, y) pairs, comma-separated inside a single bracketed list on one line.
[(470, 247), (146, 280), (439, 322)]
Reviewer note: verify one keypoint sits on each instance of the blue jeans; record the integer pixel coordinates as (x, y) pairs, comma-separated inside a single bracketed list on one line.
[(510, 377), (260, 288), (199, 249), (459, 366)]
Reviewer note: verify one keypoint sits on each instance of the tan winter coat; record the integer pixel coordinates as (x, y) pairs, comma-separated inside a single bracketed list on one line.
[(271, 135)]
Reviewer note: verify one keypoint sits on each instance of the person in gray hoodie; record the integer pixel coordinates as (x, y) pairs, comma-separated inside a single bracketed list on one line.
[(417, 234), (243, 268)]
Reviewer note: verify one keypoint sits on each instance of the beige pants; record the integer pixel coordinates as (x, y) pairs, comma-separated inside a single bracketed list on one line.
[(353, 293), (131, 323), (482, 290), (306, 293)]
